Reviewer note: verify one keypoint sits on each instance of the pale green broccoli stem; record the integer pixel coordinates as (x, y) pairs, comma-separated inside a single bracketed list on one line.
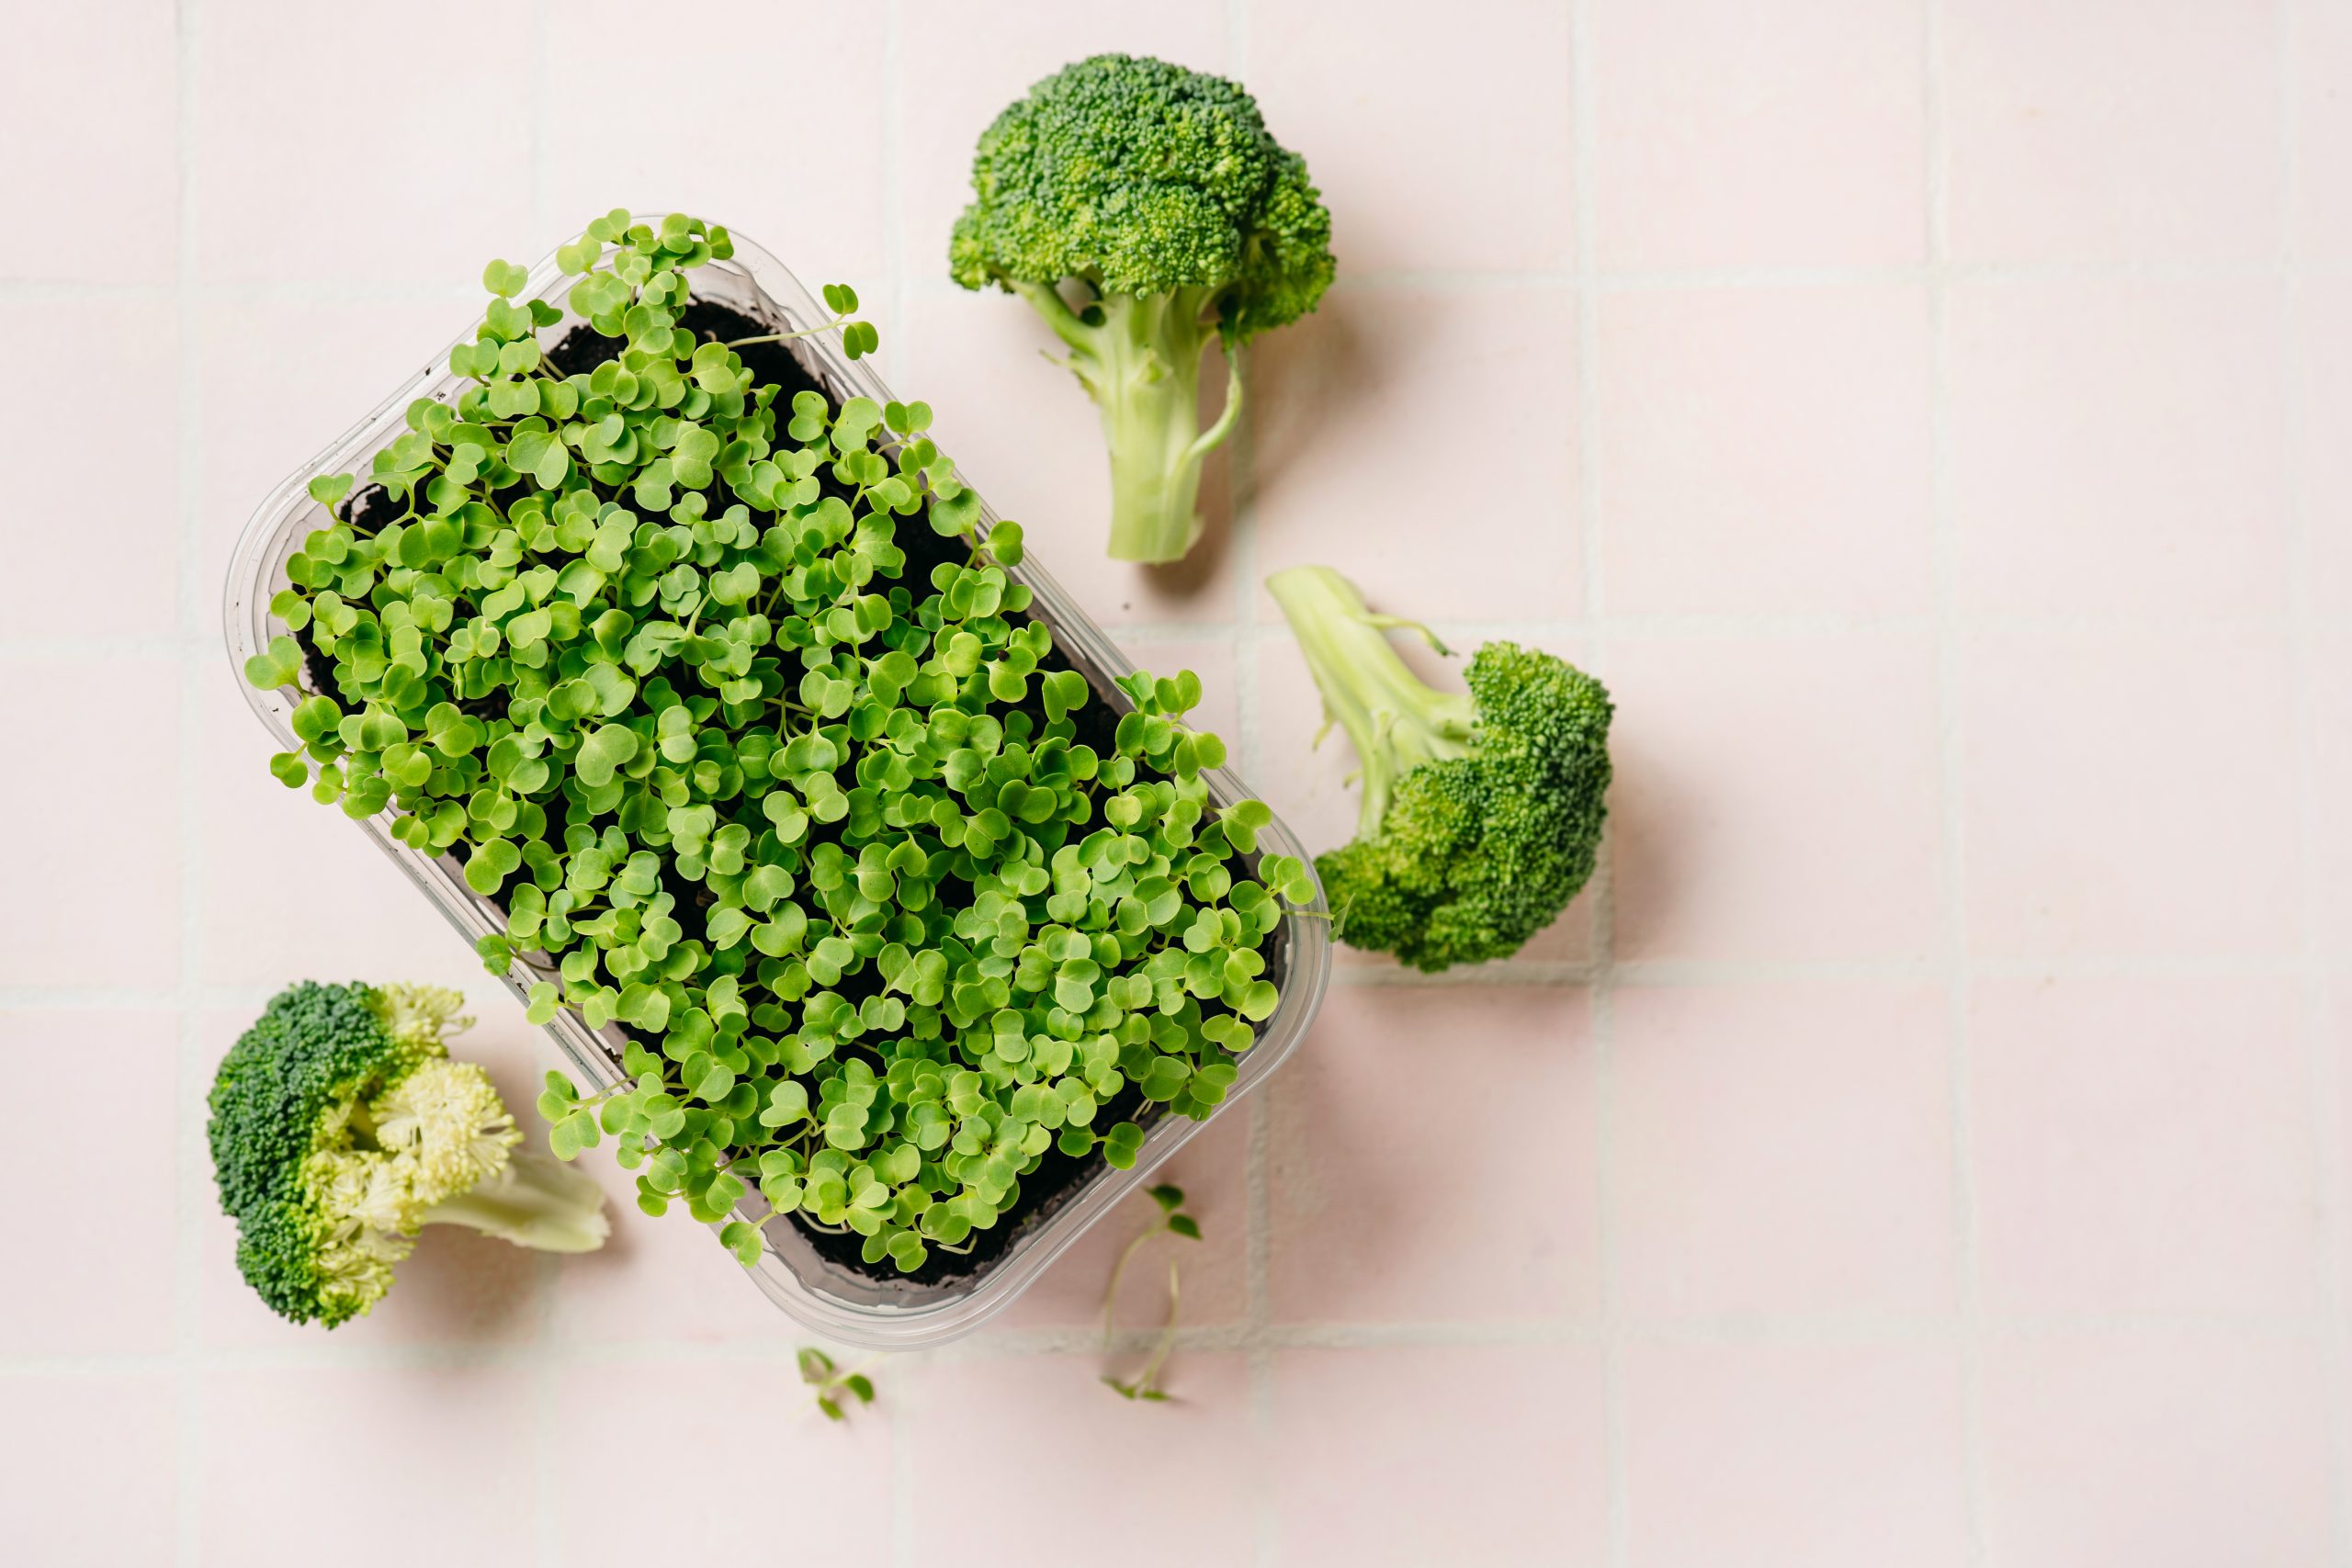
[(1142, 366), (534, 1201), (1397, 721)]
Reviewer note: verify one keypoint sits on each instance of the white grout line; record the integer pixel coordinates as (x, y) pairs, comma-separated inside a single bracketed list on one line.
[(339, 291), (322, 1351), (2328, 1130), (1256, 1341), (1601, 891), (192, 1165), (1950, 773)]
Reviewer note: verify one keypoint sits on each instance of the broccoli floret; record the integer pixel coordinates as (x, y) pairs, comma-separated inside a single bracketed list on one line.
[(341, 1127), (1154, 194), (1481, 812)]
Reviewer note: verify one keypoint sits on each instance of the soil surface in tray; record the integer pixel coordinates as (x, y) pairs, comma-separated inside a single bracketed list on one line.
[(1059, 1178)]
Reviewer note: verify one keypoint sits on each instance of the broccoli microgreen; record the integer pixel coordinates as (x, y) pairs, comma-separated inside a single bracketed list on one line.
[(1171, 1220), (819, 1373), (644, 651)]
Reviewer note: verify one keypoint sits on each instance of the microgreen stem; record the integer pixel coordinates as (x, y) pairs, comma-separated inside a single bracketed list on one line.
[(1150, 1375), (1118, 1272), (833, 325)]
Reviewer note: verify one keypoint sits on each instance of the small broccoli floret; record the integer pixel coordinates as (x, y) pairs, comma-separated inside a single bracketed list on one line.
[(1481, 811), (340, 1127), (1155, 195)]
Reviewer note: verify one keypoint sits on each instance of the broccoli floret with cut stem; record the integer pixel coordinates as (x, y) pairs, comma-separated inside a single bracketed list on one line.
[(1482, 810), (341, 1127), (1154, 198)]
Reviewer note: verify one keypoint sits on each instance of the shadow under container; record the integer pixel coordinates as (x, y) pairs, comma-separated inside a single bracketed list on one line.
[(831, 1299)]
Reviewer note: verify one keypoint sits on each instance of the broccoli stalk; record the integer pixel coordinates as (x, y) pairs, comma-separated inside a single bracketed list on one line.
[(1140, 361), (534, 1201), (1482, 811), (1397, 721), (1154, 196), (341, 1128)]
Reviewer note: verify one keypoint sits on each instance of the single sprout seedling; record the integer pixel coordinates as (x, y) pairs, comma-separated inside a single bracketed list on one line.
[(1171, 1220), (831, 1382), (1145, 1385)]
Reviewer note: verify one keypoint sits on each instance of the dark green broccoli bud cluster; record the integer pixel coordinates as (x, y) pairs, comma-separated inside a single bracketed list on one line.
[(1482, 812), (1142, 177), (282, 1094), (1156, 195), (340, 1128)]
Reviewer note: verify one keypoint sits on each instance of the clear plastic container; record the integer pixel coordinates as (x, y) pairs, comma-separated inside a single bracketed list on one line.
[(838, 1302)]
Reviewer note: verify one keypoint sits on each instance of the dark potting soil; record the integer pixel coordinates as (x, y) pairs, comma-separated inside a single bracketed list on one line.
[(1058, 1177)]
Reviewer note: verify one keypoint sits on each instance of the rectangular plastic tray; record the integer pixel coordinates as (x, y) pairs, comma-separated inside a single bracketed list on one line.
[(838, 1302)]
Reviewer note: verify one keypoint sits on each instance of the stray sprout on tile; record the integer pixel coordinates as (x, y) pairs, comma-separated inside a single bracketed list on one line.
[(1171, 1220), (817, 1371), (732, 712)]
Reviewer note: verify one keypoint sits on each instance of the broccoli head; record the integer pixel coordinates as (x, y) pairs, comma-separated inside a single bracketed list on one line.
[(1154, 196), (341, 1127), (1482, 810)]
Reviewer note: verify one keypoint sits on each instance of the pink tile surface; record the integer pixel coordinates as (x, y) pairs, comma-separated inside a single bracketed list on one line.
[(1374, 374), (1730, 136), (2068, 141), (1763, 451), (99, 1291), (797, 1454), (2155, 1447), (1369, 1224), (1782, 1149), (1382, 115), (298, 109), (2077, 405), (1775, 797), (65, 1499), (88, 99), (1409, 1455), (2322, 384), (1084, 1484), (2321, 96), (1928, 420), (136, 339), (275, 1478), (2330, 851), (836, 112), (2076, 794), (1829, 1456), (106, 853), (2142, 1147)]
